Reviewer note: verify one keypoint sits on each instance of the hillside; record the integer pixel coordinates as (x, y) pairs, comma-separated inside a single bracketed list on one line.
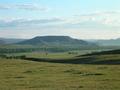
[(29, 75), (36, 71), (55, 40), (111, 52)]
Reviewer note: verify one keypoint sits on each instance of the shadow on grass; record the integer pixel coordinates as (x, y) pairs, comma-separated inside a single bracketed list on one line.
[(83, 60)]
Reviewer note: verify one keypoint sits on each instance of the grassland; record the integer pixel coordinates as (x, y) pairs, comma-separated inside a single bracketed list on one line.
[(61, 71)]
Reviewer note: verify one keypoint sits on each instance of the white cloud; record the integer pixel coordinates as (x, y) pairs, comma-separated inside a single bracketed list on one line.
[(110, 19), (28, 22), (95, 25), (22, 7), (99, 20)]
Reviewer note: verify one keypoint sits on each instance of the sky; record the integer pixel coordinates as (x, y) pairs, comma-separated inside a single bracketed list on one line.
[(83, 19)]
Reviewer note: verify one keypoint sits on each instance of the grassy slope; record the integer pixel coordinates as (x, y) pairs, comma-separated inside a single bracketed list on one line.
[(29, 75)]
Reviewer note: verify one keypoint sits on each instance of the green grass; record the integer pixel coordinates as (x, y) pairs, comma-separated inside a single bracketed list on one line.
[(51, 55), (31, 75), (60, 55)]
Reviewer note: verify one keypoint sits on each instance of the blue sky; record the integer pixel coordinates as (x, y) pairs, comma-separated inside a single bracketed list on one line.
[(85, 19)]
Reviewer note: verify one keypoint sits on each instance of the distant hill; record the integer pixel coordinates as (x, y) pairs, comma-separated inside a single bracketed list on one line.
[(111, 42), (10, 40), (2, 42), (55, 40)]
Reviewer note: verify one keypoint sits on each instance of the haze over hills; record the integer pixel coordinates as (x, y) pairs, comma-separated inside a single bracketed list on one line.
[(2, 42), (10, 40), (61, 40), (55, 40), (110, 42)]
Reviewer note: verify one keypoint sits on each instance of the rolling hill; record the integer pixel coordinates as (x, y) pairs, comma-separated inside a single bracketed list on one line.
[(55, 40)]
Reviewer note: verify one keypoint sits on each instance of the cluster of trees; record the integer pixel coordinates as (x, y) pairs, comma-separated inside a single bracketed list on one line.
[(72, 52), (43, 49), (22, 50), (17, 50), (12, 57)]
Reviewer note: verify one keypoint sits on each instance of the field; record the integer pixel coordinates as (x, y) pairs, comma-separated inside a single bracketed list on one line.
[(60, 71)]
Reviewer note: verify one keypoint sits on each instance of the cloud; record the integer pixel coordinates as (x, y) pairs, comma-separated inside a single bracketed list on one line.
[(98, 20), (99, 25), (28, 22), (108, 19), (22, 7)]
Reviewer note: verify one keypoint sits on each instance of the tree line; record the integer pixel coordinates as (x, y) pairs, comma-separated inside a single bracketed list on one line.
[(12, 56)]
